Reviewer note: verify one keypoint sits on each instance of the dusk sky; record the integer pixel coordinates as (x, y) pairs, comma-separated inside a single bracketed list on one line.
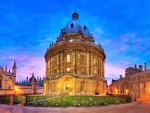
[(27, 27)]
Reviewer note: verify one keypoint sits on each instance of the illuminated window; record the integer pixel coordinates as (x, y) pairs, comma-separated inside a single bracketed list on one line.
[(95, 71), (68, 58), (68, 69)]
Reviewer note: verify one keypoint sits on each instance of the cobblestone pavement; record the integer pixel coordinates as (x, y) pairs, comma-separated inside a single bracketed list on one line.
[(134, 107)]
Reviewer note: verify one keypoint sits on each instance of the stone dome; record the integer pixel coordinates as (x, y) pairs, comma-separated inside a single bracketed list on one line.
[(75, 25), (31, 79)]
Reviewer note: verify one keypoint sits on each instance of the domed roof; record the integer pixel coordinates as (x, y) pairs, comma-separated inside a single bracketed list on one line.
[(74, 25), (32, 79)]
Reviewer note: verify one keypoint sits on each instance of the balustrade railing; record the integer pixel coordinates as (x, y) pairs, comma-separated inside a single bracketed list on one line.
[(71, 41)]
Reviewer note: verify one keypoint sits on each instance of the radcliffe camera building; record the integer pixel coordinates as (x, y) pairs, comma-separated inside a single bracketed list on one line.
[(75, 64)]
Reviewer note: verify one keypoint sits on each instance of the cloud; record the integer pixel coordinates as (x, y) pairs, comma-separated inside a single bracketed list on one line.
[(32, 64), (113, 71)]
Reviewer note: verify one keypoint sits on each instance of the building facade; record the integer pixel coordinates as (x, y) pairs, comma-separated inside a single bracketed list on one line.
[(7, 78), (75, 64), (8, 85), (136, 83)]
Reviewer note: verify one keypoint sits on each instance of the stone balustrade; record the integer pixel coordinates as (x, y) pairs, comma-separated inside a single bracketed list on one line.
[(66, 42)]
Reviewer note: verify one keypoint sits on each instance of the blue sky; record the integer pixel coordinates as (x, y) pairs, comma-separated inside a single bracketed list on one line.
[(27, 27)]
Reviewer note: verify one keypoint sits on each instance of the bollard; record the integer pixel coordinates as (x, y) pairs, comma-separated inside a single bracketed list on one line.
[(11, 100), (23, 100)]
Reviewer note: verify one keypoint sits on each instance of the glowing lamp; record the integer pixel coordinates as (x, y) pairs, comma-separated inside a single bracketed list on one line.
[(16, 88)]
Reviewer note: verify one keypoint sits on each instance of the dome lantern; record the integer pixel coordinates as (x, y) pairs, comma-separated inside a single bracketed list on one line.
[(75, 15)]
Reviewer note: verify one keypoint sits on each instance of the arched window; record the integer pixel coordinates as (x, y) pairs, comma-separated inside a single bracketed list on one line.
[(71, 25), (68, 58), (95, 71), (84, 27)]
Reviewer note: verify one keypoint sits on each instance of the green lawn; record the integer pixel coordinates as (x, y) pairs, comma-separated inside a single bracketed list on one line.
[(36, 97), (78, 101)]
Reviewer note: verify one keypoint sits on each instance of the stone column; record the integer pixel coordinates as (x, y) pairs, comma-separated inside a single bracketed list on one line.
[(60, 64), (49, 66), (57, 63), (87, 63), (63, 64), (91, 64), (11, 100), (78, 62), (99, 67), (103, 68), (52, 65), (73, 55), (23, 100)]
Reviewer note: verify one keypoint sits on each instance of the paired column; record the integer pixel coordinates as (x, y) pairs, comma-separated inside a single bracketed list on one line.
[(99, 67), (87, 54), (74, 56), (78, 62), (58, 63), (91, 63)]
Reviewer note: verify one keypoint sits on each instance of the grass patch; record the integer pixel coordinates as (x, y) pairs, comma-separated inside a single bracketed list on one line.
[(36, 97), (79, 101)]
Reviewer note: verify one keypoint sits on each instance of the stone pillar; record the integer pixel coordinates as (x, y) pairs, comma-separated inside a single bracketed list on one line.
[(99, 67), (11, 100), (91, 64), (52, 65), (103, 68), (78, 62), (49, 66), (63, 63), (50, 70), (87, 63), (46, 68), (73, 61), (57, 63), (23, 100)]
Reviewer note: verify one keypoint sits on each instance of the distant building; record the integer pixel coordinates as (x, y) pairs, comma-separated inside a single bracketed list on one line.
[(35, 85), (75, 64), (32, 80), (8, 78), (8, 84), (135, 83)]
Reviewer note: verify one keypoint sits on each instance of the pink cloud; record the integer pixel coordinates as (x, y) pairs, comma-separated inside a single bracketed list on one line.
[(26, 65), (34, 65), (113, 71)]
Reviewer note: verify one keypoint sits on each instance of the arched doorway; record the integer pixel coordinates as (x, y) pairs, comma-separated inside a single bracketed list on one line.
[(67, 88)]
